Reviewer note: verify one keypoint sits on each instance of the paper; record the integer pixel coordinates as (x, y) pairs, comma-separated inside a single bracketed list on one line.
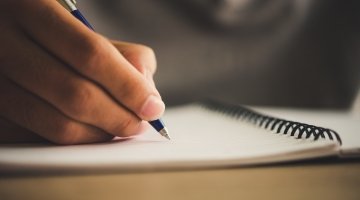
[(200, 138)]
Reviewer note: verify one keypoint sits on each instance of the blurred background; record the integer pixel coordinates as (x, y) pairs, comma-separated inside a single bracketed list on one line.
[(300, 53)]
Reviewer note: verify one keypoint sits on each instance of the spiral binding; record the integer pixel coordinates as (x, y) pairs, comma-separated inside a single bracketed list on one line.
[(277, 125)]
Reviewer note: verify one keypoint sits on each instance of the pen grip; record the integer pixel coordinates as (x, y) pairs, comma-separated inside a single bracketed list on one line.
[(158, 125)]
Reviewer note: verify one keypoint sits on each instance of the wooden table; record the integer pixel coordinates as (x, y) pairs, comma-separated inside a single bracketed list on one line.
[(309, 180)]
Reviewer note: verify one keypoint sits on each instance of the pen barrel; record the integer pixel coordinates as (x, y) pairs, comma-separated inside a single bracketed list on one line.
[(79, 16), (158, 125)]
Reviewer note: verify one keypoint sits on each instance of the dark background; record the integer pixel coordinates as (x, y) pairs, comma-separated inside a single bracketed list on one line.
[(300, 53)]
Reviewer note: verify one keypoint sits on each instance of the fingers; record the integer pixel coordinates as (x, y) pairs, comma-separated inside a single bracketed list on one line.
[(12, 133), (141, 57), (72, 94), (33, 114), (92, 56)]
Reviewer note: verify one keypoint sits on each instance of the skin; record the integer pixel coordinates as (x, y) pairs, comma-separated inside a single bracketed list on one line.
[(62, 82)]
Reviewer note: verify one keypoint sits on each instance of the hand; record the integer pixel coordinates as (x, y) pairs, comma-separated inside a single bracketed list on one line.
[(62, 82)]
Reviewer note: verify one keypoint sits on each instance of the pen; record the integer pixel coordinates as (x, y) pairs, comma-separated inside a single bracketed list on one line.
[(158, 125)]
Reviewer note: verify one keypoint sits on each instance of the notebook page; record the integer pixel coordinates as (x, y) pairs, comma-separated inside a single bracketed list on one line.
[(200, 138)]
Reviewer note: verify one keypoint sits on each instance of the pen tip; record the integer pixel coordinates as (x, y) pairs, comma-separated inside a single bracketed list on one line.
[(167, 137), (164, 132)]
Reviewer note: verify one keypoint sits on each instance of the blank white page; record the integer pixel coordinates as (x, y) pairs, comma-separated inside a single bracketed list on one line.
[(200, 138)]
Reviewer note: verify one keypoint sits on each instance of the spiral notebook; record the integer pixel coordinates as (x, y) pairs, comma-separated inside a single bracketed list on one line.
[(203, 135)]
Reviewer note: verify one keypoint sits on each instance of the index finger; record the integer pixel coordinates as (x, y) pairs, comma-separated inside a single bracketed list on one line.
[(91, 55)]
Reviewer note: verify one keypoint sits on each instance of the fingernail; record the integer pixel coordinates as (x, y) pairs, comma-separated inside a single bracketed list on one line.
[(152, 109)]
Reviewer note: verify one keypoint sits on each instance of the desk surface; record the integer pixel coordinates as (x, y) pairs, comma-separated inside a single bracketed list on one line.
[(292, 181)]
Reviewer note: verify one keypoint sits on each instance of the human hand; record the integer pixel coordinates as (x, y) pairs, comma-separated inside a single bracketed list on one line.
[(62, 82)]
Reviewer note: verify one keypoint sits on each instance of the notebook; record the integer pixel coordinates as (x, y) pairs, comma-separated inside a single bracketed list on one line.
[(204, 135)]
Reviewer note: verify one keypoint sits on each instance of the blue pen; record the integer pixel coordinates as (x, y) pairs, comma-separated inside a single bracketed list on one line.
[(70, 5)]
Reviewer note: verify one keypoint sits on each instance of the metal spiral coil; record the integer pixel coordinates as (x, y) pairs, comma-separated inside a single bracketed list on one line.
[(274, 124)]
